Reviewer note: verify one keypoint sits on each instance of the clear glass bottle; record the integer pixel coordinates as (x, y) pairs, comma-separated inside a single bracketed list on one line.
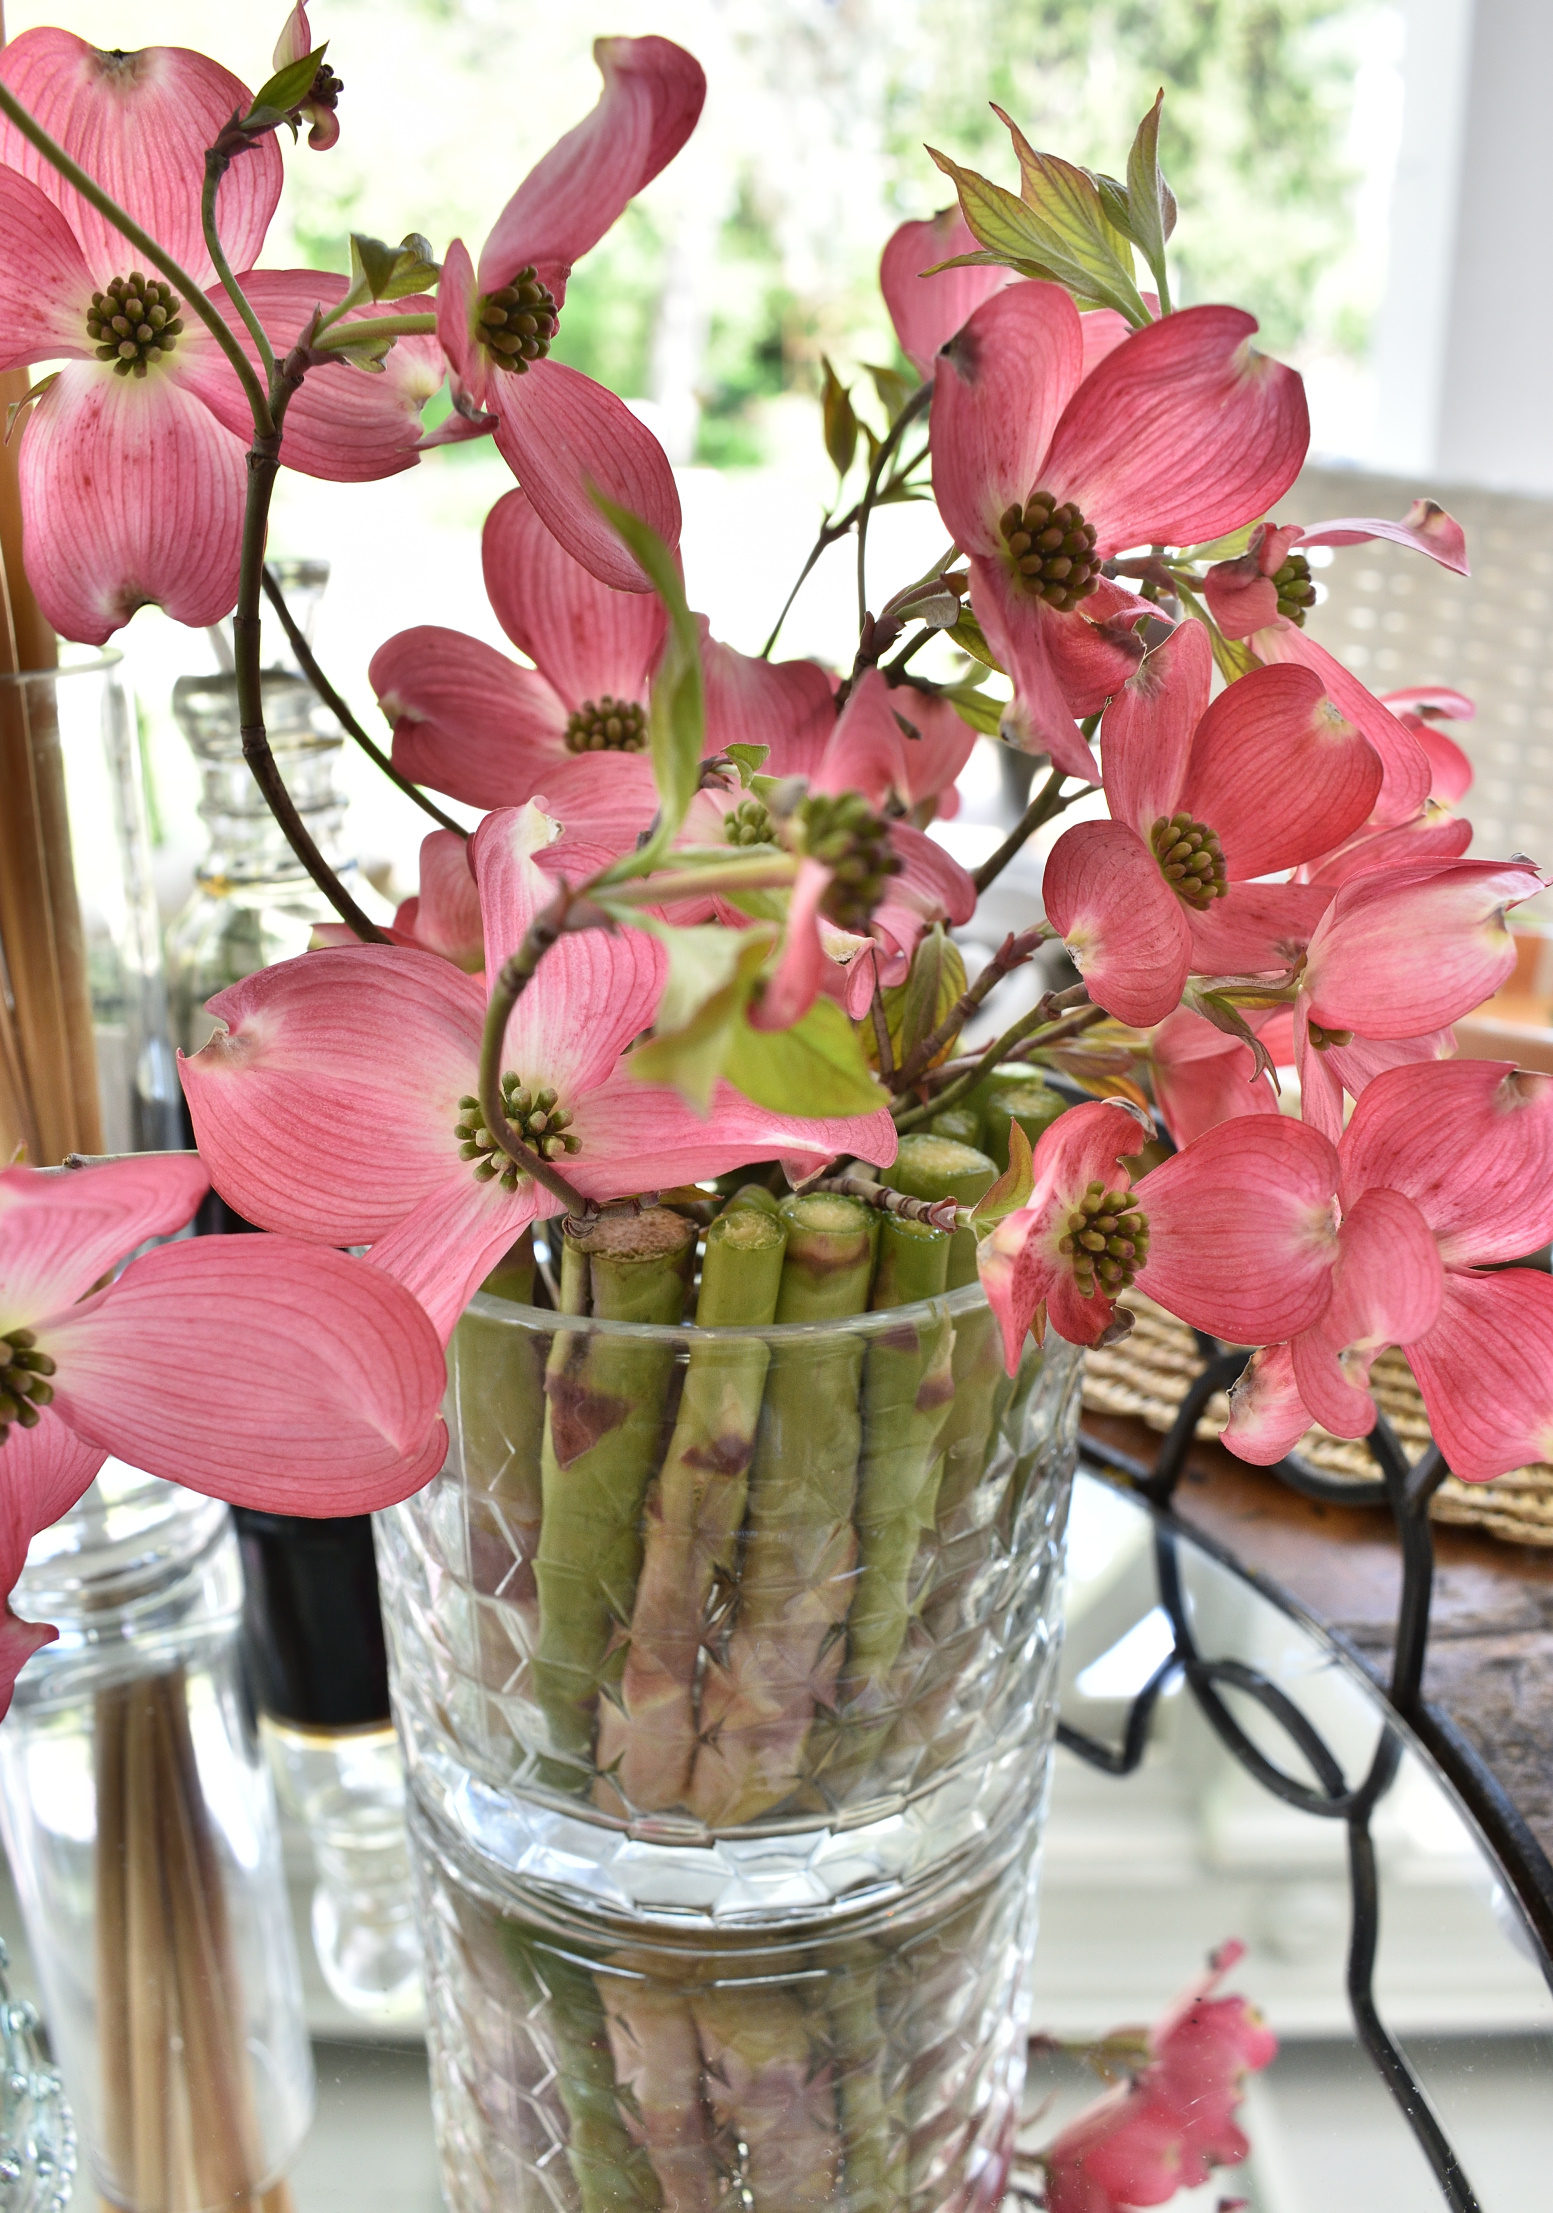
[(253, 903), (37, 2127), (141, 1826)]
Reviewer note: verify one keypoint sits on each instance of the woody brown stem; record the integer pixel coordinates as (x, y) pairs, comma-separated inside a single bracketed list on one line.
[(1040, 1025), (1013, 953)]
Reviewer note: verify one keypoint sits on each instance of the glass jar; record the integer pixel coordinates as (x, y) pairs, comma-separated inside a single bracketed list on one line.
[(140, 1824), (703, 1624), (874, 2065), (253, 903), (82, 745)]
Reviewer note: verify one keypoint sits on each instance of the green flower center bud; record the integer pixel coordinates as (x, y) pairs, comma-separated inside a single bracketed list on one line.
[(1107, 1241), (607, 726), (543, 1126), (1053, 550), (749, 823), (1322, 1039), (1190, 859), (1296, 592), (134, 323), (24, 1387), (517, 323), (853, 842)]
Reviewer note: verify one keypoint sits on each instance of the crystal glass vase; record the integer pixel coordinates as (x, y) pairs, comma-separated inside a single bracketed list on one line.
[(141, 1829), (725, 1665)]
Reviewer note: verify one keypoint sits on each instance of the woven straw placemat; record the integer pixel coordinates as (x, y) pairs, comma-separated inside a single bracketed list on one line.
[(1149, 1373)]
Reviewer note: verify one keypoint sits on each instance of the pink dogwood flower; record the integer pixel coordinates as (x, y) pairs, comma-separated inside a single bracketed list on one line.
[(1399, 954), (926, 309), (1247, 600), (334, 1106), (254, 1369), (1445, 1173), (1174, 2124), (132, 460), (1042, 473), (1226, 1234), (563, 435), (1421, 708), (1203, 1077), (1204, 799)]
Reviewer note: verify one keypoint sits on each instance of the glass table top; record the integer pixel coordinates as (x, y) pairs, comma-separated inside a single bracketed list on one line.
[(1143, 1876)]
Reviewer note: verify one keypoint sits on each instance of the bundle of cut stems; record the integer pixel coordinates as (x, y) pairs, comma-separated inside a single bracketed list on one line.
[(180, 2133), (732, 1532)]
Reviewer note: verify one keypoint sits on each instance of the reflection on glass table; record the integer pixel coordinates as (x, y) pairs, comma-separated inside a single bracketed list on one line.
[(1143, 1877)]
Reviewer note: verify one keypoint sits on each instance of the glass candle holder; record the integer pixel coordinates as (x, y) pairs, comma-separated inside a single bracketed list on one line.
[(141, 1828)]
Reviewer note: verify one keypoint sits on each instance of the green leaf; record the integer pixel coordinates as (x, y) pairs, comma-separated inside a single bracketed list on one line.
[(748, 760), (1227, 548), (1113, 198), (969, 636), (693, 1057), (1073, 231), (1013, 1188), (893, 389), (1218, 1008), (840, 422), (380, 272), (1150, 201), (285, 91), (677, 716), (913, 1010), (974, 707), (816, 1067)]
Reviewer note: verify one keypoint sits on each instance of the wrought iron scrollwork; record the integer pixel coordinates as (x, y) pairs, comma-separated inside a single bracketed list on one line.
[(1406, 1491)]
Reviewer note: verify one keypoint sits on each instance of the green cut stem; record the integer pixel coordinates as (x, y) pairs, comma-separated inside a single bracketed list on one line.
[(496, 1387), (935, 1166), (605, 1400), (873, 2126), (962, 1123), (800, 1547), (755, 1195), (907, 1390), (694, 1513), (657, 2057), (1034, 1105), (770, 2085)]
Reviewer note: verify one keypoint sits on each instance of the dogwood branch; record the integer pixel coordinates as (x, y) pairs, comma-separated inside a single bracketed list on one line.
[(1045, 1019), (1047, 802), (217, 164), (342, 713), (1011, 954), (567, 911)]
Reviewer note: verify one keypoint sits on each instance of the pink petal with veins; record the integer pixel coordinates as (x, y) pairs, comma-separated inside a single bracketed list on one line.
[(791, 991), (928, 310), (1387, 1284), (48, 287), (467, 720), (1096, 648), (1181, 433), (652, 97), (585, 639), (1484, 1372), (469, 364), (1146, 737), (1406, 950), (1104, 330), (603, 802), (261, 1371), (1256, 928), (1406, 765), (1425, 527), (1433, 835), (449, 1241), (593, 994), (132, 494), (1242, 598), (643, 1137), (139, 124), (446, 916), (1242, 1229), (342, 424), (59, 1234), (327, 1109), (1327, 1074), (1125, 929), (866, 744), (1277, 771), (933, 759), (789, 706), (1021, 632), (565, 437), (46, 1469), (1267, 1416), (998, 393), (930, 884), (1471, 1144)]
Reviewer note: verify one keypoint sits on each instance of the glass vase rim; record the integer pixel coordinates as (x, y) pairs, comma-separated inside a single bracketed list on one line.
[(967, 1298), (96, 663)]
